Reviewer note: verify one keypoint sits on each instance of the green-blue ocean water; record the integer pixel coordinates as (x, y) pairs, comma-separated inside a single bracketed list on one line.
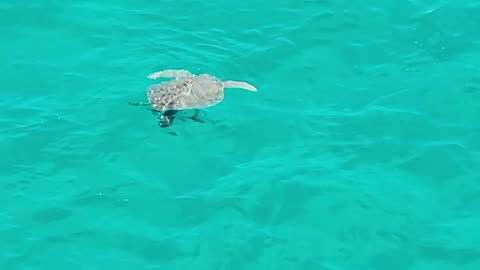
[(360, 150)]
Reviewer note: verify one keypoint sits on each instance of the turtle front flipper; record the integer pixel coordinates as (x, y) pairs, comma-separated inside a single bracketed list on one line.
[(195, 117), (138, 103), (175, 73)]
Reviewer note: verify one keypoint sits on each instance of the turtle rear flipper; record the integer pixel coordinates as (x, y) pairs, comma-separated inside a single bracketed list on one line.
[(239, 84)]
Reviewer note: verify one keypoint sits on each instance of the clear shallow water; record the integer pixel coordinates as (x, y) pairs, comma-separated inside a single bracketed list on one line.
[(361, 149)]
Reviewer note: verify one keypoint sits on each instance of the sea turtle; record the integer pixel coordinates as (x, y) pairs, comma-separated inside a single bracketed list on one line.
[(187, 91)]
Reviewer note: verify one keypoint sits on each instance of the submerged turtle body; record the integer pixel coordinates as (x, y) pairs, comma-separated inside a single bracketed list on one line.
[(187, 91)]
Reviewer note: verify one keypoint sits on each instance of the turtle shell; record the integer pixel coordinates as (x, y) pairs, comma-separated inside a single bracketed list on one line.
[(192, 92)]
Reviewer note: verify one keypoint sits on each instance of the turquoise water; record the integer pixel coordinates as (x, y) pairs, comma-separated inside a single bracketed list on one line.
[(360, 150)]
